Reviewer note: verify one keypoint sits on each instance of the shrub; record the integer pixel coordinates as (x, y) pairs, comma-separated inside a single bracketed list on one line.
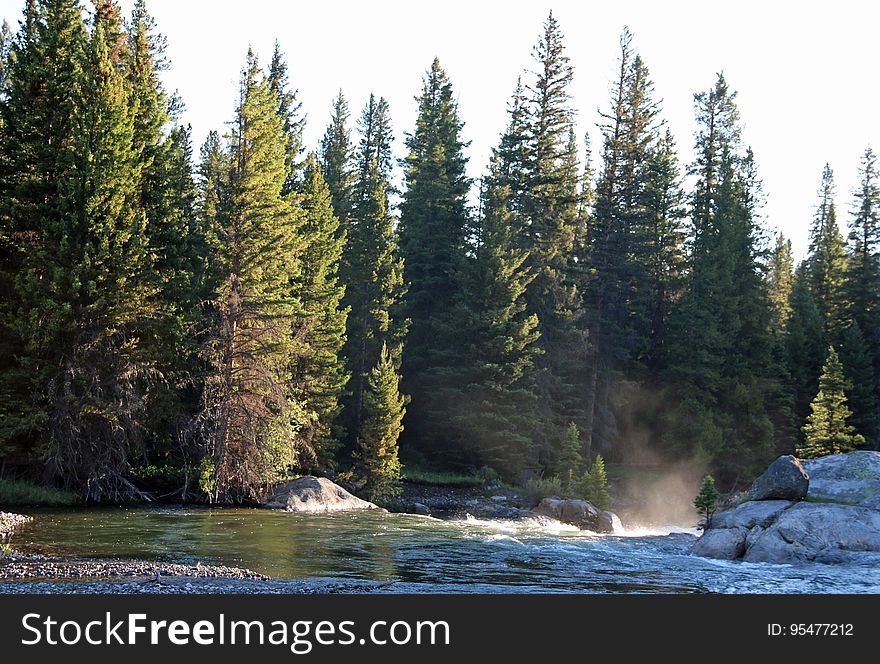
[(539, 488)]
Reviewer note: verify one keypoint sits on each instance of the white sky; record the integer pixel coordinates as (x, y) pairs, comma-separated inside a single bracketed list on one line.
[(806, 72)]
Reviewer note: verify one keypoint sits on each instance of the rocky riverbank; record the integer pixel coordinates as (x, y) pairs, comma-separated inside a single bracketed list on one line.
[(824, 511), (9, 522)]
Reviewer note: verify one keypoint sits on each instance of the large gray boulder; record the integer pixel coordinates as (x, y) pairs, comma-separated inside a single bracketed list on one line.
[(815, 532), (785, 479), (852, 478), (315, 494), (722, 543), (580, 513), (748, 515)]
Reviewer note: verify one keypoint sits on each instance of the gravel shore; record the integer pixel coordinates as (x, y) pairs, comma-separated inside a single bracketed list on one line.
[(19, 566), (10, 521)]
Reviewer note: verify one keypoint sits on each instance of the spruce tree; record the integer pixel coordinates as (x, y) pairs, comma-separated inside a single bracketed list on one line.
[(722, 358), (318, 375), (780, 277), (82, 284), (550, 217), (863, 271), (290, 110), (249, 420), (372, 270), (827, 260), (707, 500), (491, 390), (337, 156), (569, 458), (377, 464), (859, 372), (806, 345), (433, 222), (827, 430)]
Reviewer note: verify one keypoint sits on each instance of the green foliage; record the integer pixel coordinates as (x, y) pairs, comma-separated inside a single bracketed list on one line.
[(569, 457), (376, 459), (22, 492), (707, 500), (318, 375), (537, 489), (207, 477), (441, 478), (827, 430), (593, 486), (249, 418), (433, 221)]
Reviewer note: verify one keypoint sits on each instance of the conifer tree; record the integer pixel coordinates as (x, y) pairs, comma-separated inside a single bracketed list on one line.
[(827, 260), (863, 271), (859, 372), (337, 156), (372, 270), (377, 463), (569, 457), (81, 285), (780, 276), (249, 420), (722, 357), (491, 390), (433, 223), (290, 110), (707, 500), (827, 430), (541, 131), (318, 375), (806, 345)]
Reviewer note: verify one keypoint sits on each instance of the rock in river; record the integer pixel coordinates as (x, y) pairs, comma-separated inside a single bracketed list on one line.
[(578, 513), (315, 494), (785, 479), (852, 478), (843, 528)]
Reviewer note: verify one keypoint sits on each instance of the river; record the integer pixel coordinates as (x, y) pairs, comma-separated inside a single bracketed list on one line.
[(407, 553)]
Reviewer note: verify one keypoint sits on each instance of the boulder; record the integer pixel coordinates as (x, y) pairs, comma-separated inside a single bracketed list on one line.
[(580, 513), (816, 532), (852, 478), (722, 543), (748, 515), (785, 479), (315, 494)]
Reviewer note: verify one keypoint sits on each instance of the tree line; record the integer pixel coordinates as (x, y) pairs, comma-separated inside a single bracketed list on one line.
[(206, 326)]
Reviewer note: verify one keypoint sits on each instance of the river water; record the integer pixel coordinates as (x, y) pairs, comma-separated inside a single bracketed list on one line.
[(420, 554)]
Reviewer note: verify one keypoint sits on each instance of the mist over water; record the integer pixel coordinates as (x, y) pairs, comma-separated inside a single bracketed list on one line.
[(409, 553)]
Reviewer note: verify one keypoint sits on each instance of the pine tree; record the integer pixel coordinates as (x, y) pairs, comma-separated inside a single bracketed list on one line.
[(372, 270), (780, 277), (162, 147), (433, 223), (249, 422), (490, 391), (318, 375), (806, 345), (377, 463), (337, 157), (722, 356), (859, 373), (707, 500), (569, 457), (290, 110), (827, 260), (541, 132), (863, 272), (81, 284), (594, 485), (827, 430)]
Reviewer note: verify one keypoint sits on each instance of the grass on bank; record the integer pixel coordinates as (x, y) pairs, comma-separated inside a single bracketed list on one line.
[(441, 478), (22, 492)]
